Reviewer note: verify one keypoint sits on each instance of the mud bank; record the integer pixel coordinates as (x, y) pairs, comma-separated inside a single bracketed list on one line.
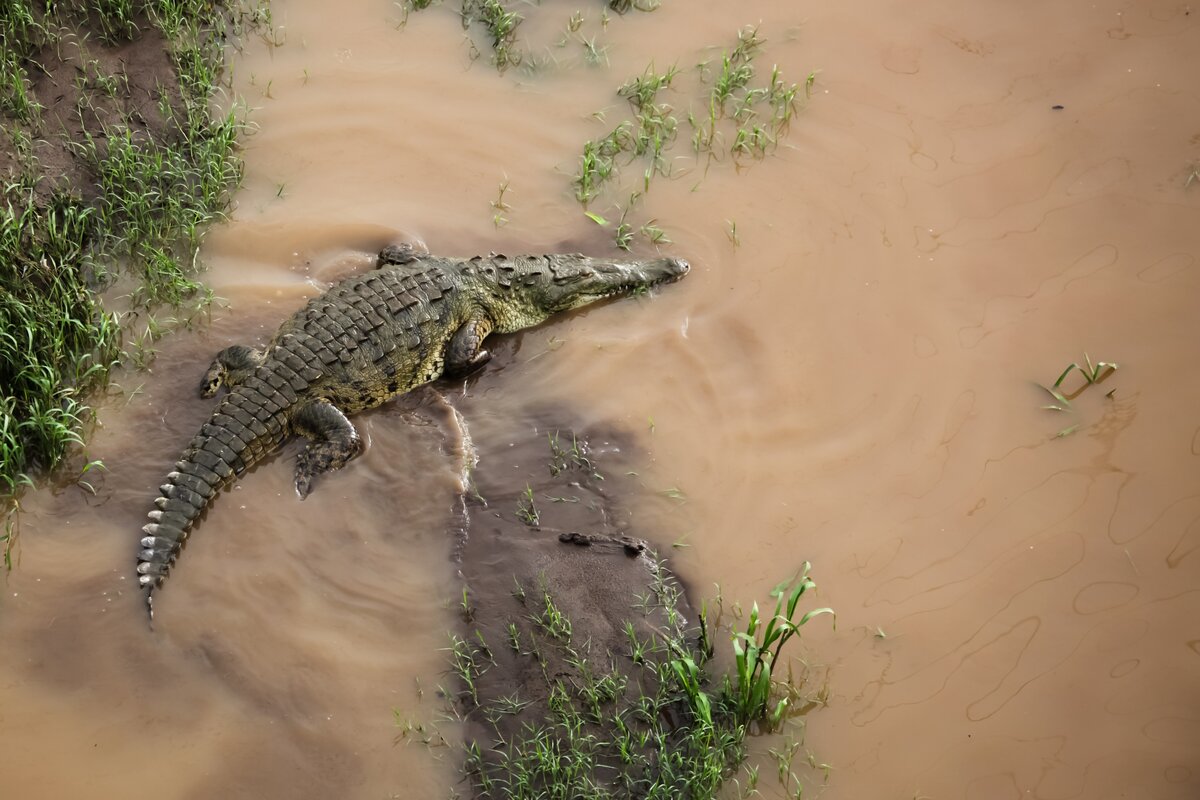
[(571, 621)]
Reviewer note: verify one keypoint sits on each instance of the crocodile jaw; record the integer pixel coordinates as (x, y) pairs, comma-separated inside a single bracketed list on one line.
[(606, 281)]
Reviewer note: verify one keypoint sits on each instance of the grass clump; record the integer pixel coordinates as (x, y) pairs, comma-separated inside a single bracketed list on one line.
[(116, 18), (1093, 373), (22, 33), (56, 341), (746, 119), (565, 458), (650, 721), (499, 21), (648, 134), (743, 119), (492, 16), (527, 510), (756, 652), (137, 189), (739, 120), (501, 25)]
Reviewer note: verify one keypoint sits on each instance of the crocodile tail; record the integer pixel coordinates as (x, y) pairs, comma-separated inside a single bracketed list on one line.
[(227, 445)]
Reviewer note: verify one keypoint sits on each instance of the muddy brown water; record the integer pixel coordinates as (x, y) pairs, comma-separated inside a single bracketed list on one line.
[(851, 384)]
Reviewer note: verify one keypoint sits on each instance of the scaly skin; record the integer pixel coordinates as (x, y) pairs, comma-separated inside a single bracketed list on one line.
[(368, 339)]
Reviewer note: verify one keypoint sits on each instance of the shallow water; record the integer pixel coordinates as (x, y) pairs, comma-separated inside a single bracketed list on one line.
[(850, 383)]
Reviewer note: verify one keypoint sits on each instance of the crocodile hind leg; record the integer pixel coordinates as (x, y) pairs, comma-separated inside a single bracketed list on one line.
[(231, 366), (332, 441), (465, 353)]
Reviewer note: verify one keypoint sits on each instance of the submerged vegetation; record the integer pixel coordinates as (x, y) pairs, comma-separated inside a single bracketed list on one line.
[(739, 120), (725, 106), (651, 721), (501, 25), (95, 176), (498, 22), (1093, 373)]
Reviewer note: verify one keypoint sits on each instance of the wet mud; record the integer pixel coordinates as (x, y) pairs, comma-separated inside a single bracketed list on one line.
[(557, 572)]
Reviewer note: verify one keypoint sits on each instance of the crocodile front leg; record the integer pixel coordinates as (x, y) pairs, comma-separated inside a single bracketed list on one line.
[(333, 441), (231, 366), (465, 353)]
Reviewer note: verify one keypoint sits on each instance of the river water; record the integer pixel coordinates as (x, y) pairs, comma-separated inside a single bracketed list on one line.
[(974, 196)]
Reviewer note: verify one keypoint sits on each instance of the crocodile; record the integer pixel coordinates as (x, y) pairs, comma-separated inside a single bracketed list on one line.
[(413, 319)]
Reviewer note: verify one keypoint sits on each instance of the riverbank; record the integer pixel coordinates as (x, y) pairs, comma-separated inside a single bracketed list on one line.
[(113, 164)]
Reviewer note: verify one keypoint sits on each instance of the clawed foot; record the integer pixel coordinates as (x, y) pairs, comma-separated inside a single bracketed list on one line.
[(465, 370), (231, 366), (332, 443), (213, 379)]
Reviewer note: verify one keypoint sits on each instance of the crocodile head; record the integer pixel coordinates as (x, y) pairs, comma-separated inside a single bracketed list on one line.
[(534, 290)]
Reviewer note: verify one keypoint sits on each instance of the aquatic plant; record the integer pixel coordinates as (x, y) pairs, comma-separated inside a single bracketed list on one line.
[(501, 25), (756, 651), (1093, 374), (740, 120)]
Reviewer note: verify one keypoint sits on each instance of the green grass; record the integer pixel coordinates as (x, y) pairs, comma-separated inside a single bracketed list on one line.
[(116, 19), (756, 651), (501, 25), (499, 21), (647, 135), (527, 509), (651, 721), (14, 93), (741, 119), (598, 162), (750, 118), (155, 195), (641, 90), (22, 33), (565, 458), (56, 342), (1092, 374)]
